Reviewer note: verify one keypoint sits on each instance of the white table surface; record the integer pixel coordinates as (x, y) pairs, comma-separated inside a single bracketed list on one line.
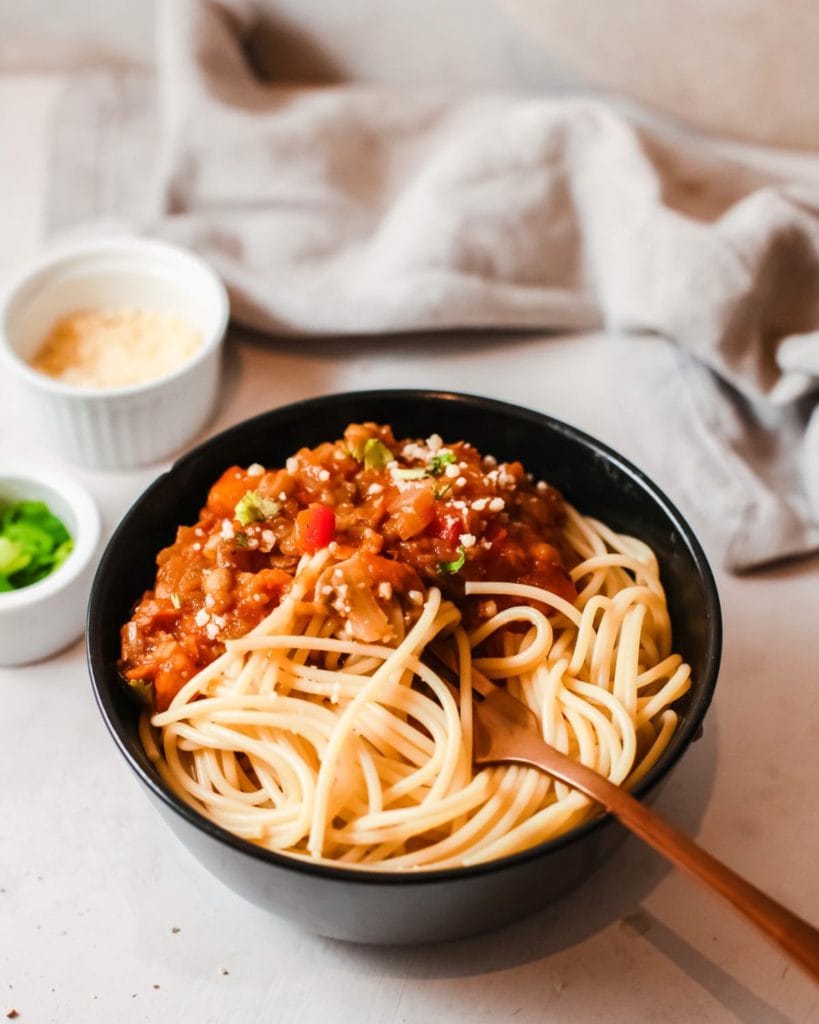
[(105, 917)]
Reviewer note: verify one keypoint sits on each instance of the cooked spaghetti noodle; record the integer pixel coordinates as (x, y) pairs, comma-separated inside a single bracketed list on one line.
[(311, 740)]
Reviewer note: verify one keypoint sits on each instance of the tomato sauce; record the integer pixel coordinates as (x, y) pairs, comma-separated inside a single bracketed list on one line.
[(400, 515)]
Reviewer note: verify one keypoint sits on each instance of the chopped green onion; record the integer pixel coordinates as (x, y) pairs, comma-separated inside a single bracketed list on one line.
[(439, 492), (376, 454), (176, 600), (254, 507), (143, 690), (436, 464), (412, 473), (354, 451), (457, 564), (33, 543), (241, 540)]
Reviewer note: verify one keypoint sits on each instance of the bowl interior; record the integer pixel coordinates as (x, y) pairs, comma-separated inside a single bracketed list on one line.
[(593, 478), (132, 276)]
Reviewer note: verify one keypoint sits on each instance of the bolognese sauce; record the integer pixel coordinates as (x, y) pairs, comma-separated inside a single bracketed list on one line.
[(398, 515)]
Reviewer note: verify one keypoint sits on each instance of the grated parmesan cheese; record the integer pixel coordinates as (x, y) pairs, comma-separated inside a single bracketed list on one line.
[(115, 348)]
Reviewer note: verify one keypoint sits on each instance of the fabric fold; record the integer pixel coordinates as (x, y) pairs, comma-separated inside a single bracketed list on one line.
[(363, 210)]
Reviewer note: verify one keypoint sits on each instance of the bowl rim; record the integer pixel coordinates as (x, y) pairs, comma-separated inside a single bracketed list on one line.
[(86, 537), (425, 876), (148, 249)]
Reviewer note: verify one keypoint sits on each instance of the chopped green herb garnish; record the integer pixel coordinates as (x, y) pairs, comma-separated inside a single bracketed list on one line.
[(376, 454), (457, 564), (143, 690), (440, 491), (254, 507), (241, 540), (176, 600), (436, 464), (412, 473), (33, 542)]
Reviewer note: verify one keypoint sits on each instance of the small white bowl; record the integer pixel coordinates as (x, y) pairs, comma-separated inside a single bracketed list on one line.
[(41, 619), (117, 428)]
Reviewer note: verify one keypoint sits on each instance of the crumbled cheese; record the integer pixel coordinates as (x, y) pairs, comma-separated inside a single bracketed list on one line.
[(434, 442), (115, 348), (496, 504), (292, 465), (486, 545), (452, 470), (461, 481), (415, 451), (227, 532), (212, 630), (490, 460), (375, 489), (460, 505), (467, 539), (269, 539), (479, 504), (385, 590), (324, 474), (542, 486), (202, 618), (256, 469), (282, 495), (209, 601)]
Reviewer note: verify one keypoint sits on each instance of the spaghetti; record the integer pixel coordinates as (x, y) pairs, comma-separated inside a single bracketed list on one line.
[(320, 738)]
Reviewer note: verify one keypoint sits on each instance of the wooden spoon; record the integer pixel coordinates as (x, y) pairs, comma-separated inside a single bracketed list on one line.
[(506, 731)]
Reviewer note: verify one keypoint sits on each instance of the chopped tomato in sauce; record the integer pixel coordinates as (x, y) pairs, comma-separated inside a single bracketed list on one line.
[(391, 525)]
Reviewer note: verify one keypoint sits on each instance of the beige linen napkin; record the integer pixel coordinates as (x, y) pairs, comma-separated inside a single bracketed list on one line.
[(356, 209)]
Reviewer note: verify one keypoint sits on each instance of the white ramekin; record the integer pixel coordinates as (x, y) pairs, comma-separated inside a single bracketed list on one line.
[(40, 620), (117, 428)]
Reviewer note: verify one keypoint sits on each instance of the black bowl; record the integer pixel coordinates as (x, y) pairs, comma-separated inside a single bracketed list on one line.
[(431, 905)]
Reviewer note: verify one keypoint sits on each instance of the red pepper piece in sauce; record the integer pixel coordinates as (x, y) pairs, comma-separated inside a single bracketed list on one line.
[(315, 528)]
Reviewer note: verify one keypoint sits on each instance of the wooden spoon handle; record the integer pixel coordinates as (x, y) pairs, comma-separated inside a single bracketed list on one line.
[(796, 937)]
